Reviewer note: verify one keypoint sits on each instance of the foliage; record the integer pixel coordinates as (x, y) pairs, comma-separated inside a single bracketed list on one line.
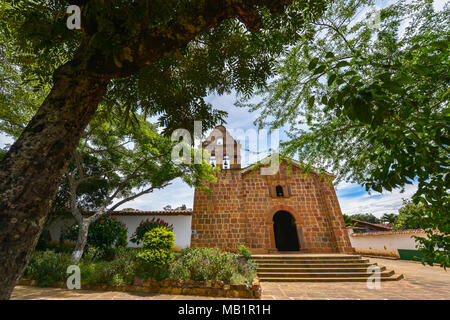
[(389, 218), (157, 254), (366, 217), (157, 258), (370, 103), (159, 238), (408, 215), (94, 254), (161, 58), (48, 267), (225, 58), (121, 270), (347, 220), (147, 225), (202, 264), (244, 251), (106, 232)]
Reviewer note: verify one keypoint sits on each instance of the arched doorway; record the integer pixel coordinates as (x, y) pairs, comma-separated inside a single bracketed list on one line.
[(286, 238)]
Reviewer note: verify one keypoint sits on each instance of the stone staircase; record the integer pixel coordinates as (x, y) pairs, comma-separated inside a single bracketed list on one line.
[(317, 268)]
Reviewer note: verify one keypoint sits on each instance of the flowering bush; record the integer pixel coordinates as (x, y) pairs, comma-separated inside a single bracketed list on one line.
[(104, 233), (147, 225), (202, 264)]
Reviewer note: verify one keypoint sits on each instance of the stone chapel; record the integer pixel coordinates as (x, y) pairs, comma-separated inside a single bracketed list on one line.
[(286, 211)]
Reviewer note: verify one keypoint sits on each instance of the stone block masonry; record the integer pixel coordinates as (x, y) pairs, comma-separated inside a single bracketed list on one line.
[(243, 205), (176, 287)]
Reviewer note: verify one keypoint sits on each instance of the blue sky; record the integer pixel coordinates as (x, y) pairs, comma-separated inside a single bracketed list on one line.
[(352, 197)]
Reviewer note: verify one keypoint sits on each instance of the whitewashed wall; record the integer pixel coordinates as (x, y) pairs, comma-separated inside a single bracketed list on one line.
[(57, 226), (384, 243), (181, 227)]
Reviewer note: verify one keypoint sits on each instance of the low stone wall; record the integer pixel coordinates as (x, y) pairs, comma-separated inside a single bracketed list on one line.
[(175, 287)]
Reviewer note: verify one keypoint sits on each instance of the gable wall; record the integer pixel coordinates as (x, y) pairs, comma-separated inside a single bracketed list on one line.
[(241, 208)]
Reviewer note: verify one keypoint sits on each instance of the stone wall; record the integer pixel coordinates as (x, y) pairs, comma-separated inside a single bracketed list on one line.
[(175, 287), (243, 203), (217, 220)]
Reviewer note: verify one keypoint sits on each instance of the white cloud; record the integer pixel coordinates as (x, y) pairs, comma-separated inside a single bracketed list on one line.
[(176, 194), (5, 140), (439, 4), (376, 203)]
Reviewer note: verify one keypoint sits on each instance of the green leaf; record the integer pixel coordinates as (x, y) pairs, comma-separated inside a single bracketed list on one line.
[(320, 69), (341, 64), (312, 64), (331, 79)]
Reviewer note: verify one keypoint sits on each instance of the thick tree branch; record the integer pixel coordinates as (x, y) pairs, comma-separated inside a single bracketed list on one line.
[(152, 44)]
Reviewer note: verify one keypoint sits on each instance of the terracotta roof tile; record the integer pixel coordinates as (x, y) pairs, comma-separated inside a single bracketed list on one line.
[(150, 213)]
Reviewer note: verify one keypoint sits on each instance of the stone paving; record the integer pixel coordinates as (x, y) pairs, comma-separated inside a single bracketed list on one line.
[(420, 283)]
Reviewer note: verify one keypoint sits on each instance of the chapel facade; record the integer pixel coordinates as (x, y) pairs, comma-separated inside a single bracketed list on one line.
[(283, 212)]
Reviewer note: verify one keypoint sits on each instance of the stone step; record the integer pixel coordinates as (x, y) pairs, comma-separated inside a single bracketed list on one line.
[(302, 261), (314, 270), (263, 275), (304, 256), (317, 265), (335, 279)]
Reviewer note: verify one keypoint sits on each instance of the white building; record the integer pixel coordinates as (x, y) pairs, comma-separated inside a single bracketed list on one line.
[(180, 219)]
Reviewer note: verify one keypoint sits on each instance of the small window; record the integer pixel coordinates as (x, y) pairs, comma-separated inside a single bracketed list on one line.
[(279, 191), (219, 142), (212, 162), (226, 162)]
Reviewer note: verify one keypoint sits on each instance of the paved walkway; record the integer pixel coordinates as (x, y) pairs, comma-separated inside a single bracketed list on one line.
[(420, 282), (35, 293)]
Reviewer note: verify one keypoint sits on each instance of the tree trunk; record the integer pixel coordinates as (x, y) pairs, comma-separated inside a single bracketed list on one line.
[(83, 230), (31, 170)]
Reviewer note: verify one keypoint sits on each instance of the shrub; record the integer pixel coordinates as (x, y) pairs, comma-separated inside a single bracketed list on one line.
[(120, 270), (202, 264), (157, 254), (48, 267), (146, 226), (93, 254), (244, 251), (104, 233), (157, 257), (159, 238)]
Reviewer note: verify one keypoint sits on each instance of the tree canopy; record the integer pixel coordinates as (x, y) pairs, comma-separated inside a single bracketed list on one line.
[(370, 103), (219, 60), (156, 58)]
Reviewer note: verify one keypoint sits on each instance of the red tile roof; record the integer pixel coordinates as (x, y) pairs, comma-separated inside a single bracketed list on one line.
[(151, 213), (374, 225)]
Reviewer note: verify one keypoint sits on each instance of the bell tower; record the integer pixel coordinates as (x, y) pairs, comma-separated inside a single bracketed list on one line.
[(225, 152)]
